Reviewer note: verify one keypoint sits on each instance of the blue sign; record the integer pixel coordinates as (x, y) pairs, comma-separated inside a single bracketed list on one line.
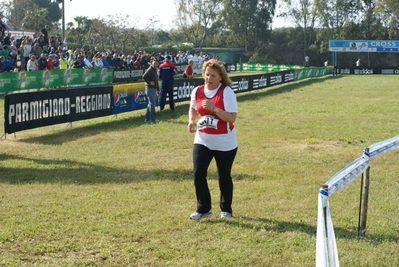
[(388, 46)]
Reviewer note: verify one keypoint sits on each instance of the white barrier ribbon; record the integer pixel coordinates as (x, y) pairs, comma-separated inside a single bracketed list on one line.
[(326, 246), (384, 146), (348, 174)]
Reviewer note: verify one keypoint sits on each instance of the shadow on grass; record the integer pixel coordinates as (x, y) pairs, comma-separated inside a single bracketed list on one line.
[(263, 224), (73, 172), (117, 124)]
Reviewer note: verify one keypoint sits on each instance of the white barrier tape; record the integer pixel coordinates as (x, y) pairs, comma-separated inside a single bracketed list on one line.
[(326, 246), (384, 146), (348, 174), (321, 240)]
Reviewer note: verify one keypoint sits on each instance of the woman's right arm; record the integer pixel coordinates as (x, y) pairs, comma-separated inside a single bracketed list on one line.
[(192, 114)]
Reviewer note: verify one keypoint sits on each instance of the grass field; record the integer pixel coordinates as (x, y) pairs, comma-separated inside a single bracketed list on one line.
[(114, 191)]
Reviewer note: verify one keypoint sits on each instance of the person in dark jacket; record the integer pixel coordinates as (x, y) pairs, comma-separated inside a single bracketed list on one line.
[(167, 71), (43, 62), (150, 77)]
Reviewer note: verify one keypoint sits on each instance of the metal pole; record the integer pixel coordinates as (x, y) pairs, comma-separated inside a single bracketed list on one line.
[(360, 204), (63, 20), (365, 201)]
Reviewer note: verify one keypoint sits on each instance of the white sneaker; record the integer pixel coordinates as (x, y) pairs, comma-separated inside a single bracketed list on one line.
[(196, 216), (225, 215)]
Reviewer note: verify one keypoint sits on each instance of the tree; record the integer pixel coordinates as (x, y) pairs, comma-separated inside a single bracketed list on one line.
[(198, 19), (303, 14), (388, 11), (82, 29), (35, 19), (16, 12), (248, 21)]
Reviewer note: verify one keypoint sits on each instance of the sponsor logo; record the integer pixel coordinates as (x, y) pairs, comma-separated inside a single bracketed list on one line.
[(363, 71), (243, 84), (260, 83), (384, 43), (56, 107), (185, 90), (120, 99), (122, 74), (139, 97), (289, 77), (276, 79), (46, 78)]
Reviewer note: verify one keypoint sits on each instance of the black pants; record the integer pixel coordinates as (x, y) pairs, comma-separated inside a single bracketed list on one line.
[(167, 90), (202, 157)]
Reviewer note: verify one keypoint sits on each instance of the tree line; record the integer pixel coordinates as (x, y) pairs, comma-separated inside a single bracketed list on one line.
[(246, 24)]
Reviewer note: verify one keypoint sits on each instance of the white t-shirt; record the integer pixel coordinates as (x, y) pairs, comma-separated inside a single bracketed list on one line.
[(221, 142)]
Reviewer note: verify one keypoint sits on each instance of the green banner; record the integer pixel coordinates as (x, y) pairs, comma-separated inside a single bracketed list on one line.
[(266, 67), (309, 72), (26, 80)]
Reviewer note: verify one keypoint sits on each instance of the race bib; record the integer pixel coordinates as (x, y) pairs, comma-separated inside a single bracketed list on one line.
[(208, 121)]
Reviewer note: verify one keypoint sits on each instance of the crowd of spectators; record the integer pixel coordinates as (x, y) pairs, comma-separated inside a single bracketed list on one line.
[(44, 52)]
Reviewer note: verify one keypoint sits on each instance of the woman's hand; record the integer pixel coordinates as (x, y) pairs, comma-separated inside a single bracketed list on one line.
[(191, 127), (207, 104)]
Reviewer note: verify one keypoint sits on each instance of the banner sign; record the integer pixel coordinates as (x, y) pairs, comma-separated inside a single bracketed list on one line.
[(389, 46), (37, 109), (24, 111), (368, 70), (137, 74), (266, 67), (26, 80), (129, 97)]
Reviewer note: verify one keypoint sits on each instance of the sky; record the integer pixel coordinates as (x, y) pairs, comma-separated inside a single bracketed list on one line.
[(139, 11)]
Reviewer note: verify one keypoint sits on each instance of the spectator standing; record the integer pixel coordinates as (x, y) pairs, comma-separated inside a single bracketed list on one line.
[(136, 63), (215, 137), (105, 61), (150, 77), (307, 61), (63, 62), (144, 62), (76, 64), (167, 70), (50, 60), (2, 68), (7, 39), (44, 31), (358, 62), (189, 71), (43, 61), (56, 61), (32, 64), (37, 50), (14, 50), (87, 62), (27, 48)]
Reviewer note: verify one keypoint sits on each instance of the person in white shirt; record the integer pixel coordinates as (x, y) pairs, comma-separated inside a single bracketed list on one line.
[(32, 64), (98, 62), (213, 111), (87, 61)]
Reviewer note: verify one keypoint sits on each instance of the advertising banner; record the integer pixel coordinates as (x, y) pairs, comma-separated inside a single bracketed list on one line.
[(24, 111), (129, 97), (388, 46), (27, 80), (266, 67), (30, 110)]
